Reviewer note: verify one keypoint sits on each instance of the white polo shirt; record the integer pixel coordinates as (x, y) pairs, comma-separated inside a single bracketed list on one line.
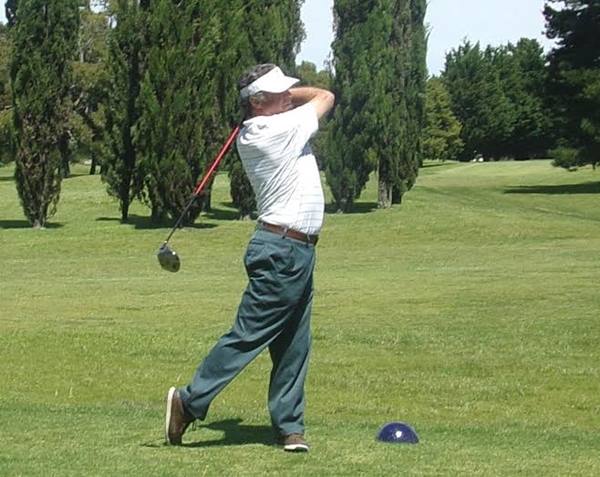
[(282, 168)]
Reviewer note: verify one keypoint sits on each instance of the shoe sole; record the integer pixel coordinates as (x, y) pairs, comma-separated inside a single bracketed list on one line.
[(170, 396), (296, 448)]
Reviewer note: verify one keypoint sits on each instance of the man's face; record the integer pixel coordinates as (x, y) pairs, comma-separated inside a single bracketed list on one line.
[(274, 103)]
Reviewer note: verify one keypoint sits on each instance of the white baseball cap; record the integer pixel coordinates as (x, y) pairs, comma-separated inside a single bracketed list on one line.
[(272, 82)]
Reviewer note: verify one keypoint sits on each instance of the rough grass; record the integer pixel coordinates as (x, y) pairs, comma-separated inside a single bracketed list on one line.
[(471, 312)]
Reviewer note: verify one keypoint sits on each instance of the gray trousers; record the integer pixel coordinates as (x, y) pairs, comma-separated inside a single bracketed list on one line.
[(274, 312)]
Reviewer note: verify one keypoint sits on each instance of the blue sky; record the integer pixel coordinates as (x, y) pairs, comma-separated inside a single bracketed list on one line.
[(492, 22)]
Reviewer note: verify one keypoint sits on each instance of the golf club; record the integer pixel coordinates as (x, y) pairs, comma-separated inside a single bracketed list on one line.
[(167, 257)]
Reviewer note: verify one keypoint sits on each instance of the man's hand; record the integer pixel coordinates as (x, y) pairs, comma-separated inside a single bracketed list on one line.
[(322, 99)]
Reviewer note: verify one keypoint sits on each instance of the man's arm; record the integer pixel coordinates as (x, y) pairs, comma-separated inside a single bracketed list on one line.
[(322, 99)]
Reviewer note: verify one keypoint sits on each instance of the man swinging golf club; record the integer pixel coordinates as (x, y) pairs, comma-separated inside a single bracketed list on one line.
[(276, 306)]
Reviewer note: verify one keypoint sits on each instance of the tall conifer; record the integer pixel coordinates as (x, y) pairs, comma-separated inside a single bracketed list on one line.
[(126, 66), (441, 135), (176, 95), (379, 61), (45, 36)]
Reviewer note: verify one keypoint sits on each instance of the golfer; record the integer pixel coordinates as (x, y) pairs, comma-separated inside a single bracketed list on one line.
[(276, 306)]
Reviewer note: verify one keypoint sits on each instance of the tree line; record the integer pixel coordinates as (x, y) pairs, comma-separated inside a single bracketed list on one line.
[(146, 90), (514, 101)]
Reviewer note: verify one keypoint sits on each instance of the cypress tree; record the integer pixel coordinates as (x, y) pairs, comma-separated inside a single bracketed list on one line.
[(379, 62), (360, 39), (235, 36), (231, 53), (45, 37), (415, 89), (175, 97), (125, 69)]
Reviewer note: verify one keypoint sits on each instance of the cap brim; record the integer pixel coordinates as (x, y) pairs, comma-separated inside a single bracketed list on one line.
[(272, 82), (283, 84)]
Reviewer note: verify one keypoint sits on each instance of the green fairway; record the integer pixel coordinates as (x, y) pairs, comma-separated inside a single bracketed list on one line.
[(471, 311)]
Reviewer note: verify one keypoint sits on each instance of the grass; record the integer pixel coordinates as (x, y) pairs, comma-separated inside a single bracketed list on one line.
[(471, 312)]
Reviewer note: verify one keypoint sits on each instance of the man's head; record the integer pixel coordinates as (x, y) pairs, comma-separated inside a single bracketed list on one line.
[(264, 91)]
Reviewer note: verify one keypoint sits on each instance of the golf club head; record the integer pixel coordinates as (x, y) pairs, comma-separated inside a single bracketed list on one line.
[(168, 258), (397, 433)]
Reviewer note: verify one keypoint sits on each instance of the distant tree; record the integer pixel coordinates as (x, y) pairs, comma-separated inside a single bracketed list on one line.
[(45, 37), (308, 74), (379, 62), (523, 76), (499, 95), (125, 70), (473, 79), (441, 135), (575, 79)]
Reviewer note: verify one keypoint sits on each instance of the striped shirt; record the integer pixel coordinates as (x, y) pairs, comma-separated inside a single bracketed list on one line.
[(282, 168)]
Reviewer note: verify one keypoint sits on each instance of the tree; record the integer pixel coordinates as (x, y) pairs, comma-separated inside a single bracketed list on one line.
[(125, 70), (473, 79), (175, 101), (523, 74), (499, 96), (416, 84), (308, 74), (575, 79), (379, 62), (45, 36), (441, 135)]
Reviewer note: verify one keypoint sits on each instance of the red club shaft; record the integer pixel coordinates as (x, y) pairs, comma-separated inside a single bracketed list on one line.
[(205, 179), (217, 161)]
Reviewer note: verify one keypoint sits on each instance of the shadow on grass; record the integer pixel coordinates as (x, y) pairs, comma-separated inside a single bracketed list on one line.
[(584, 188), (70, 176), (74, 175), (24, 224), (435, 164), (357, 208), (222, 214), (235, 434), (145, 223)]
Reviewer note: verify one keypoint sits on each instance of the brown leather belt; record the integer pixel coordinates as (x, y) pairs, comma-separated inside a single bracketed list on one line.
[(291, 233)]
